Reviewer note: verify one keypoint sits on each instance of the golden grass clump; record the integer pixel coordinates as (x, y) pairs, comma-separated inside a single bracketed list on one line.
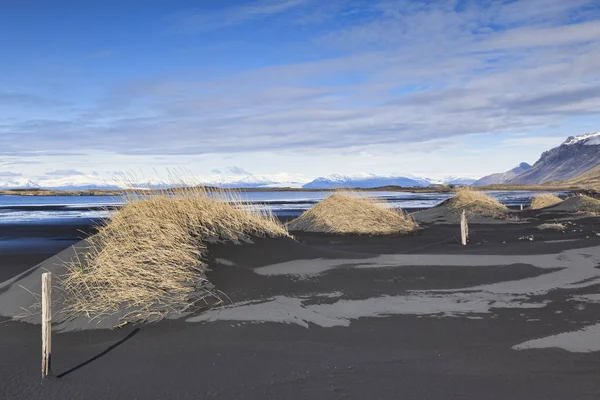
[(349, 213), (544, 200), (476, 204), (588, 205), (553, 227), (147, 259)]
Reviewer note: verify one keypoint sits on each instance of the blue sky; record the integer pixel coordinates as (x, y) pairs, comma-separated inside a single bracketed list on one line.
[(306, 87)]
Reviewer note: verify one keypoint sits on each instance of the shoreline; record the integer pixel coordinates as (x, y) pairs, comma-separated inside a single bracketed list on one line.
[(24, 245), (429, 189)]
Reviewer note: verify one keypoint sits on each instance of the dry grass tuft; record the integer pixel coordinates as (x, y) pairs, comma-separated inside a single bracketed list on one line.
[(544, 200), (552, 227), (148, 257), (350, 213), (476, 204), (588, 205)]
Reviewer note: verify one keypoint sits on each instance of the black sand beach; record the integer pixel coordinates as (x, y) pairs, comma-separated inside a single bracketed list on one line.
[(346, 317), (25, 245)]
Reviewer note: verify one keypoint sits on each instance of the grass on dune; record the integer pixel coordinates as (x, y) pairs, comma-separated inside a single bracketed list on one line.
[(148, 257), (476, 204), (588, 205), (349, 213), (544, 200), (553, 227)]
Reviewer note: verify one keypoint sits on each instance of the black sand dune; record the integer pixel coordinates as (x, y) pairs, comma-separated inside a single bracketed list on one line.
[(348, 317), (573, 205), (443, 214)]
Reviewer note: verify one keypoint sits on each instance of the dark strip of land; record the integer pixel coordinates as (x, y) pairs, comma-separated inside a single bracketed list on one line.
[(417, 189)]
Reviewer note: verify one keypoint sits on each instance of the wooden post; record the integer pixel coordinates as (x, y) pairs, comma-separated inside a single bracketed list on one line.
[(464, 229), (46, 322), (521, 207)]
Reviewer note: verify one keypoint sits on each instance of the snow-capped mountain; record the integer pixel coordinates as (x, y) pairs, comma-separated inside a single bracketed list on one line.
[(574, 157), (20, 183), (461, 181), (85, 182), (255, 181), (80, 182), (502, 177), (74, 182), (587, 139), (365, 181), (452, 180), (281, 180)]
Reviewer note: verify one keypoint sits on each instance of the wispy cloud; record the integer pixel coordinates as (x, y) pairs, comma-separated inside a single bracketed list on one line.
[(234, 170), (64, 172), (546, 36), (197, 21), (8, 174), (12, 99), (546, 141), (397, 74)]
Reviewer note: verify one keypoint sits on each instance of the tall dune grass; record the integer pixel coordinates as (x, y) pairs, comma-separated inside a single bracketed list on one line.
[(476, 204), (349, 213), (588, 205), (148, 258), (544, 200)]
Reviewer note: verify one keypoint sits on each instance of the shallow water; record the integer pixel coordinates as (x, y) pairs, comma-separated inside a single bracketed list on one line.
[(35, 209)]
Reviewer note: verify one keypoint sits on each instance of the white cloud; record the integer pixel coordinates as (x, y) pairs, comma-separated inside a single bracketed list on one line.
[(400, 75), (8, 174), (64, 172), (197, 21), (546, 141), (553, 36)]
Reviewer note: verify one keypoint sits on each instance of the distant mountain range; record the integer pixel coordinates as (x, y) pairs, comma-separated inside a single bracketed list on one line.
[(502, 177), (75, 182), (85, 182), (578, 156), (373, 181), (19, 184), (365, 181)]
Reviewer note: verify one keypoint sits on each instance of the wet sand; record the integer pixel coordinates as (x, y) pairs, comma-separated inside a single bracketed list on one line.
[(346, 317)]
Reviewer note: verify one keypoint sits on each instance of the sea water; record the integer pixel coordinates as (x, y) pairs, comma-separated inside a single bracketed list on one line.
[(40, 209)]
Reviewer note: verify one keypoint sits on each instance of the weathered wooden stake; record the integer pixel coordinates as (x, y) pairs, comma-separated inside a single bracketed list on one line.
[(464, 229), (46, 322)]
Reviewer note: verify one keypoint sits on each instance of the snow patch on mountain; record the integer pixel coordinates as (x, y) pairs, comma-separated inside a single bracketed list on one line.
[(372, 181), (575, 157), (465, 180), (364, 181), (72, 182), (233, 181), (21, 183), (85, 182), (588, 139), (281, 180)]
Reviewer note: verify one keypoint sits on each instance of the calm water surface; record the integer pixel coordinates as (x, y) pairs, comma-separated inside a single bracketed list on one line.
[(40, 209)]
